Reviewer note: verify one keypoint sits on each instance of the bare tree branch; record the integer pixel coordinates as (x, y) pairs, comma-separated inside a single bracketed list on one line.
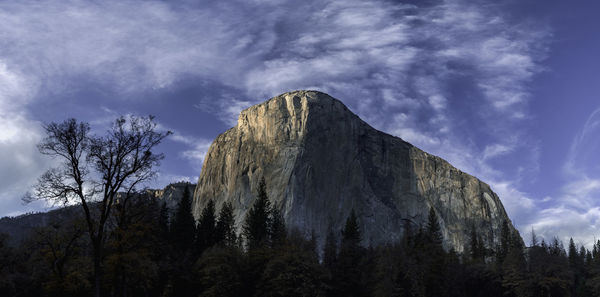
[(96, 168)]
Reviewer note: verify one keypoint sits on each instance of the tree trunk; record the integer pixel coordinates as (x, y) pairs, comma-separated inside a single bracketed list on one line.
[(97, 273)]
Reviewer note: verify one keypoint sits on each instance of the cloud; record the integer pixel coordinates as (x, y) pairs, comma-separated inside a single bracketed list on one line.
[(495, 150), (21, 163), (575, 210), (446, 77), (164, 179), (565, 223), (197, 148), (132, 45), (519, 205), (584, 148)]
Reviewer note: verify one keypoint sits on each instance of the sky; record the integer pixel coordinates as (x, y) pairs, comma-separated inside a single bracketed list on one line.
[(506, 90)]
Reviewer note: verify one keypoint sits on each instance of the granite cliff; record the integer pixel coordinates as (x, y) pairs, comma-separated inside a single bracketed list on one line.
[(171, 194), (320, 161)]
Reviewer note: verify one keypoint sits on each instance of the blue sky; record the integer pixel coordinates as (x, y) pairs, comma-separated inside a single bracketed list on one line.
[(504, 90)]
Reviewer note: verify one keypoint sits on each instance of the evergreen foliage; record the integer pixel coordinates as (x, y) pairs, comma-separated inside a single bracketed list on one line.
[(225, 226), (434, 232), (206, 233), (277, 230), (183, 227), (436, 261), (351, 232), (477, 248), (258, 221), (218, 272), (348, 268), (163, 219), (534, 239), (141, 260), (293, 270)]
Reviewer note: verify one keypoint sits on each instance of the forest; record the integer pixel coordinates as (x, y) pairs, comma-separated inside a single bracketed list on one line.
[(150, 253)]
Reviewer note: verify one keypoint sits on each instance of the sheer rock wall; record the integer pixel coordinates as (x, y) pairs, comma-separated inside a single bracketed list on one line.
[(320, 161)]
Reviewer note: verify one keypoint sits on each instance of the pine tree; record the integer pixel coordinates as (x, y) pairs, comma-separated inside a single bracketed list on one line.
[(257, 233), (206, 234), (477, 249), (225, 226), (258, 221), (576, 265), (163, 220), (513, 270), (183, 227), (351, 232), (277, 228), (348, 268), (435, 263), (505, 241), (572, 254), (434, 232), (534, 239)]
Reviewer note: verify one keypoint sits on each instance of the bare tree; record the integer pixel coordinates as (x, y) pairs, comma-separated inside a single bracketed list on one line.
[(95, 168)]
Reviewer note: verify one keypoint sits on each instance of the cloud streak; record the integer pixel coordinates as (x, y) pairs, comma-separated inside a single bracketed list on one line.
[(450, 77), (575, 210)]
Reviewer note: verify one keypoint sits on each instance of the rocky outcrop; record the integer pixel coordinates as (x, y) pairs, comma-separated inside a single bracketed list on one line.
[(320, 161), (171, 194)]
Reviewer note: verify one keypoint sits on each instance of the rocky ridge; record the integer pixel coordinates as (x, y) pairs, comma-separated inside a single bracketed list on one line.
[(21, 227)]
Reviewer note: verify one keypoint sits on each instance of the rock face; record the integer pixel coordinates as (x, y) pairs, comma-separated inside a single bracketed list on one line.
[(320, 161), (171, 194)]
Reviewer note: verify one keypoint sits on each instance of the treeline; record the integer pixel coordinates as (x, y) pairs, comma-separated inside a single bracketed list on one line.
[(150, 253)]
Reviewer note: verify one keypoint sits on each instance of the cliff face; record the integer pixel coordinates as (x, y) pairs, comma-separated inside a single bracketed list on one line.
[(171, 194), (320, 161)]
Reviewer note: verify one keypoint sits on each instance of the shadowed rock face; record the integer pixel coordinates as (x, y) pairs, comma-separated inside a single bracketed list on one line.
[(320, 161), (171, 194)]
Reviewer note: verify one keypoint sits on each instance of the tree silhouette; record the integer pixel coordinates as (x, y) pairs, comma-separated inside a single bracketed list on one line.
[(434, 232), (256, 227), (206, 233), (277, 228), (348, 268), (95, 168), (225, 226), (183, 227)]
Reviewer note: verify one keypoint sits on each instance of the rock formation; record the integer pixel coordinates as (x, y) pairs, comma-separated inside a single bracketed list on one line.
[(320, 161), (171, 194)]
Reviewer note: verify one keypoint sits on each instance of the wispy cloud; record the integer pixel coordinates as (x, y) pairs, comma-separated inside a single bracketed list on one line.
[(575, 210), (197, 148), (450, 77)]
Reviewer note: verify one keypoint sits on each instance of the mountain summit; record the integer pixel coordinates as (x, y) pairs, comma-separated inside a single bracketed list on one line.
[(320, 161)]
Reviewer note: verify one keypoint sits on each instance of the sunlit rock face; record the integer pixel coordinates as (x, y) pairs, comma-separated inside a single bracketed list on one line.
[(320, 161)]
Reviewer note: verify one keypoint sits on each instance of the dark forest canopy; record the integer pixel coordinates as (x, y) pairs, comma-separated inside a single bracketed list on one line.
[(150, 253)]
